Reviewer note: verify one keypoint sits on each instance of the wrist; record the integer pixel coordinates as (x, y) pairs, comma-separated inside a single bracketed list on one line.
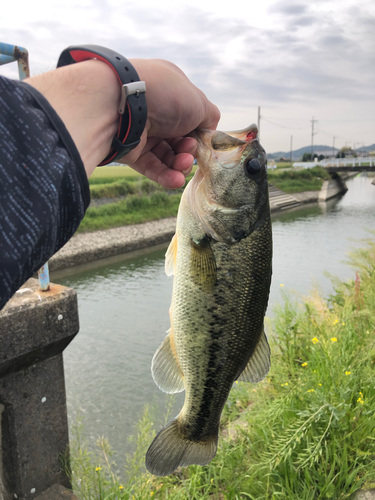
[(86, 96), (132, 108)]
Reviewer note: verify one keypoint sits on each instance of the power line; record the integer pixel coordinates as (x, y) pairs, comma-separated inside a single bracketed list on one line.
[(283, 126), (324, 119)]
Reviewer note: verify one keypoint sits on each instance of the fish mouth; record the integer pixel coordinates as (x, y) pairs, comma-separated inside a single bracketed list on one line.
[(227, 149), (236, 152)]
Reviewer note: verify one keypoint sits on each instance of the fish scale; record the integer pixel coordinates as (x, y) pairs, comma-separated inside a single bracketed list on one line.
[(221, 258)]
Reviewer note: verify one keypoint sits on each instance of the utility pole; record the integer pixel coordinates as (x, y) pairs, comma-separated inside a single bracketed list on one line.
[(312, 138), (333, 148), (258, 121), (291, 149)]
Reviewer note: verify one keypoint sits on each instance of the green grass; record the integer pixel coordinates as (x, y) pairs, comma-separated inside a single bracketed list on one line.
[(144, 201), (123, 187), (294, 181), (304, 433), (113, 172), (133, 209)]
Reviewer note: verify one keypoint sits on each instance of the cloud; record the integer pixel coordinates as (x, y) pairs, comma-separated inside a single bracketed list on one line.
[(289, 10), (297, 55)]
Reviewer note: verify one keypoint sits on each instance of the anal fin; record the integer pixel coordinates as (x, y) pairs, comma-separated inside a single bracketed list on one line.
[(165, 367), (259, 364)]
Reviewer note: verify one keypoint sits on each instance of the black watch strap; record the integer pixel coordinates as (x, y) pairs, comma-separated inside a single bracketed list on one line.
[(132, 109)]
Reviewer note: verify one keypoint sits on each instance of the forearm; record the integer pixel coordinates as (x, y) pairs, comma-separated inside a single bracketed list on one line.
[(86, 96)]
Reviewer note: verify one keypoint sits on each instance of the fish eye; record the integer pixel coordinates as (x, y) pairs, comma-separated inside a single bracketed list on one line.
[(252, 167)]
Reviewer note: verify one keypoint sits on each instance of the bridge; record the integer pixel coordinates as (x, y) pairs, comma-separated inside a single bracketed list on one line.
[(360, 164)]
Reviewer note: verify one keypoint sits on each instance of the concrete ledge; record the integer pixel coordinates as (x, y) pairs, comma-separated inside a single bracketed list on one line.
[(110, 242), (57, 492), (35, 327), (364, 495), (332, 188)]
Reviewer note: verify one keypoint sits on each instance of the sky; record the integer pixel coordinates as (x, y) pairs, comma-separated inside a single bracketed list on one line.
[(297, 60)]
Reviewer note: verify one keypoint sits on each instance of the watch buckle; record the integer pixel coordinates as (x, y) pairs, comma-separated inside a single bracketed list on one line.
[(129, 89)]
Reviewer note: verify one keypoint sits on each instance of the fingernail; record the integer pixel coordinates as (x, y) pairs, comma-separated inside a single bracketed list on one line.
[(187, 171)]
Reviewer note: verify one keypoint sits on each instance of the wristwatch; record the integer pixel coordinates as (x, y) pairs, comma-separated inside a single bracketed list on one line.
[(132, 109)]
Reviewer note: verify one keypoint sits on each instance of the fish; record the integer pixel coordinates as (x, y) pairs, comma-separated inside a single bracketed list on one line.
[(221, 259)]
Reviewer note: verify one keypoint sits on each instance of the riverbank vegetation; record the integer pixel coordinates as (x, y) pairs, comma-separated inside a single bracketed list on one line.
[(305, 433), (296, 181), (136, 199)]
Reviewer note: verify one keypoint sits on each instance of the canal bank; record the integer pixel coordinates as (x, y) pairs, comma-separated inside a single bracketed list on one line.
[(88, 247)]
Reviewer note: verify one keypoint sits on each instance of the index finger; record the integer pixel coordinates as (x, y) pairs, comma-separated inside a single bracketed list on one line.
[(212, 116)]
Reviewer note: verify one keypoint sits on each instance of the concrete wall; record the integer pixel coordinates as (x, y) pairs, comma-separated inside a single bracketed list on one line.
[(35, 328)]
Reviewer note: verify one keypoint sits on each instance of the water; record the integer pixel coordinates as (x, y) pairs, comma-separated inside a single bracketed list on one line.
[(124, 306)]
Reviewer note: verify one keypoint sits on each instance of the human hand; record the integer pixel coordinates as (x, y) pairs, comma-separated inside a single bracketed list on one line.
[(175, 107)]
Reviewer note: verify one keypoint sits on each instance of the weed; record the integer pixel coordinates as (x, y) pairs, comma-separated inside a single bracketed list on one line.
[(304, 433)]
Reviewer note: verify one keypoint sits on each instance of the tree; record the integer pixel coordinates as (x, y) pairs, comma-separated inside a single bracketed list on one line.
[(306, 157)]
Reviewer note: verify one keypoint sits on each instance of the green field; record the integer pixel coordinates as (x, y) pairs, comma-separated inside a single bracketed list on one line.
[(307, 432), (113, 171)]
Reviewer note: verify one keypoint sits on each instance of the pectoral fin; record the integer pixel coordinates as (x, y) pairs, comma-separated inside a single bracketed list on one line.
[(203, 264), (259, 363), (165, 367), (171, 256)]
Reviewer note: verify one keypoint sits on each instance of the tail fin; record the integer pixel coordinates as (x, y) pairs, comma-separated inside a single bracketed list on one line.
[(171, 449)]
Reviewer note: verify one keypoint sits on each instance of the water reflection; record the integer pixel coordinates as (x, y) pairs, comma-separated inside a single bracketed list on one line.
[(124, 311)]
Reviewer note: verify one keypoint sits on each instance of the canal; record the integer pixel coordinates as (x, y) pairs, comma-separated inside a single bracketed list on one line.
[(123, 310)]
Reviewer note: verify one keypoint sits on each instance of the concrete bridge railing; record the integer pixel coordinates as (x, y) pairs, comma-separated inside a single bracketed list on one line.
[(35, 328)]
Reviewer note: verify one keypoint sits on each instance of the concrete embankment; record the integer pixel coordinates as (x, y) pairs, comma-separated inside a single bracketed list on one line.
[(88, 247)]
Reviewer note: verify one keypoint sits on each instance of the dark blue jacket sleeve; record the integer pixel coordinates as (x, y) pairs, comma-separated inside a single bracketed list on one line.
[(44, 191)]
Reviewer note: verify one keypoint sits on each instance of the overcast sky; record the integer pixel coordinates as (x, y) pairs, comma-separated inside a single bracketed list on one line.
[(295, 59)]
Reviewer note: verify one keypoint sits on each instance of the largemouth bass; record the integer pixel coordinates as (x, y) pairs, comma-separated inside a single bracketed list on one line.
[(221, 260)]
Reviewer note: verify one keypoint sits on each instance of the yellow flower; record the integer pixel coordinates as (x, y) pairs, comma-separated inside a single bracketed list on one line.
[(360, 400), (361, 394), (311, 390), (348, 373), (304, 364), (343, 324), (336, 321), (212, 480), (333, 339), (97, 469), (286, 383), (314, 340), (320, 385), (281, 284), (236, 381), (120, 487), (368, 331)]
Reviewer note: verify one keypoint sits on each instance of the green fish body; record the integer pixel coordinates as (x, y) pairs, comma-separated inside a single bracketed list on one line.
[(221, 258)]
